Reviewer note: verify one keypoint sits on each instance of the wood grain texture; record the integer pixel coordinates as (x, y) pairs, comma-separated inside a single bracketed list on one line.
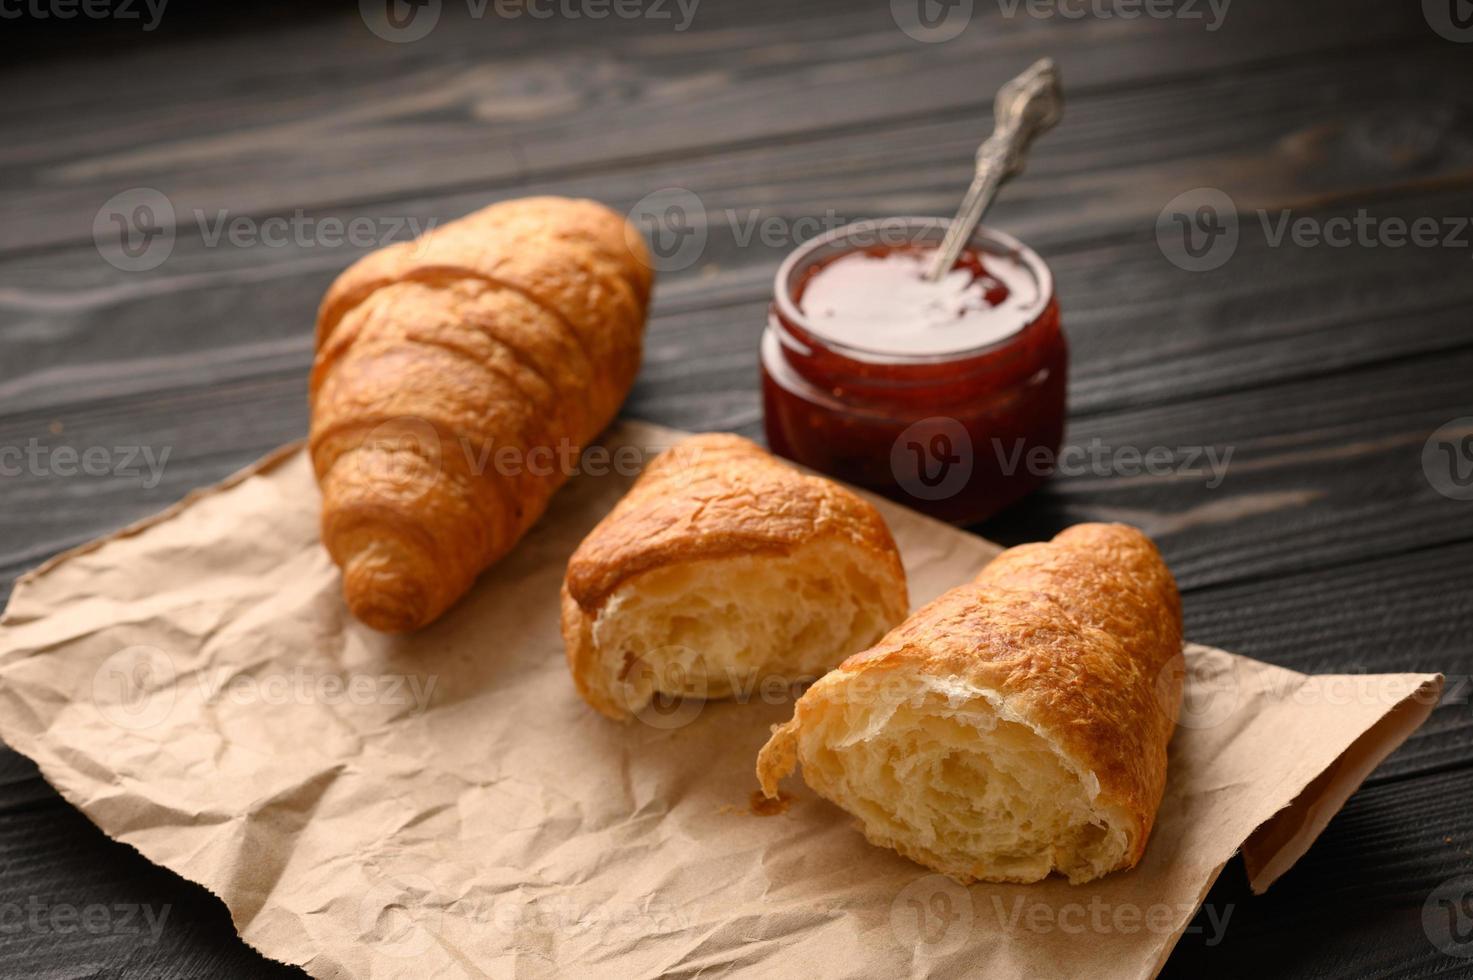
[(1403, 613), (337, 126), (1354, 905), (79, 905), (1300, 139), (1324, 370)]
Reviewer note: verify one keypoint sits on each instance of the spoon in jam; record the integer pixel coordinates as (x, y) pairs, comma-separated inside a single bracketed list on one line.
[(1026, 107)]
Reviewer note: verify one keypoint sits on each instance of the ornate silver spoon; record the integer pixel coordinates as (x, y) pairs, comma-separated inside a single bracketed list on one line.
[(1026, 107)]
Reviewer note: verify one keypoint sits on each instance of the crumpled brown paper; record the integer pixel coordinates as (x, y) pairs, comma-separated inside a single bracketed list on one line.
[(444, 804)]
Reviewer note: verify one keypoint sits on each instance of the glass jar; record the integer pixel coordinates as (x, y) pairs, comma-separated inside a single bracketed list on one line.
[(958, 434)]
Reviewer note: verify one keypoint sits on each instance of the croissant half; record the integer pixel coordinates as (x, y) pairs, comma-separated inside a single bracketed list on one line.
[(1014, 727), (721, 569), (455, 376)]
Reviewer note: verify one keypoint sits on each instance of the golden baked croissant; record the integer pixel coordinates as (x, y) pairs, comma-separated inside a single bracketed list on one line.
[(722, 567), (1013, 727), (456, 376)]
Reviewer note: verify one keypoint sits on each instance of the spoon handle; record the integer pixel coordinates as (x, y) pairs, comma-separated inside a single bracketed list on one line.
[(1026, 107)]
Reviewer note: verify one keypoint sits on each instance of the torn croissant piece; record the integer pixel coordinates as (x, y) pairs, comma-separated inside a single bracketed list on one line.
[(454, 376), (1014, 727), (722, 568)]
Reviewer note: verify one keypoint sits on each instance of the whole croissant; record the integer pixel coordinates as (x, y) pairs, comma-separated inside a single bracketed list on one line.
[(456, 378)]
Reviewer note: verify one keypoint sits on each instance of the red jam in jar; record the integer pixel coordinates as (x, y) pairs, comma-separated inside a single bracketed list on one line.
[(947, 397)]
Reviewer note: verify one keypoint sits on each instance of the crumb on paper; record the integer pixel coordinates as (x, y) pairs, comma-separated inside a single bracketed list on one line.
[(759, 805), (764, 806)]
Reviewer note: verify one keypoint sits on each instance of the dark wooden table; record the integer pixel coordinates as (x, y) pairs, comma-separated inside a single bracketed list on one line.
[(1324, 360)]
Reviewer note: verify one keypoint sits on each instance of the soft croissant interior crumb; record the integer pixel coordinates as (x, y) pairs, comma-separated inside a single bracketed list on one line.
[(948, 779), (718, 627)]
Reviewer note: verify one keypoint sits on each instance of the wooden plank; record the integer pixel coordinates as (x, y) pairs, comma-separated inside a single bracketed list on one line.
[(1354, 905), (1403, 613), (1141, 331), (1323, 472), (217, 313), (214, 129), (80, 905)]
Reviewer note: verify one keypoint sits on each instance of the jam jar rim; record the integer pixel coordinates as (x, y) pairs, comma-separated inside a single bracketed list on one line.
[(788, 312)]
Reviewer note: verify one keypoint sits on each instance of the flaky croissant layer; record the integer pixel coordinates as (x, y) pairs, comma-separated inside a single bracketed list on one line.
[(451, 373)]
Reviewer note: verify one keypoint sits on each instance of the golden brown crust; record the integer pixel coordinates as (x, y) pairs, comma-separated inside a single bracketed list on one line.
[(1080, 637), (708, 497), (576, 260), (471, 246), (716, 496), (453, 375)]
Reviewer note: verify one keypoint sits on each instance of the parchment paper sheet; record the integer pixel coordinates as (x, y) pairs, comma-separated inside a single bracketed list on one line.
[(445, 805)]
